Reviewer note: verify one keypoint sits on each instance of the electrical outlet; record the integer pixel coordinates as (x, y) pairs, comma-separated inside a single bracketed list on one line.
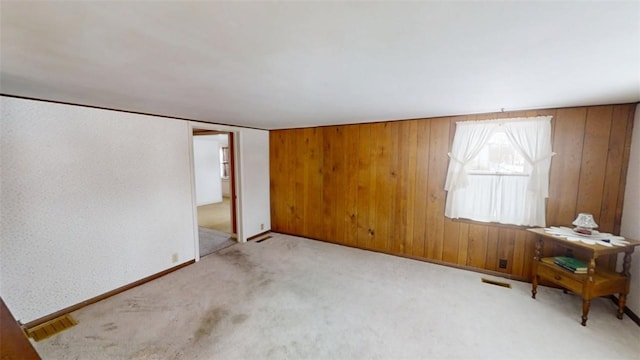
[(503, 263), (174, 258), (261, 226)]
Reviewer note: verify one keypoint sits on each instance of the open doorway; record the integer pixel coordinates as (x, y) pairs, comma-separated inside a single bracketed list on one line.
[(215, 190)]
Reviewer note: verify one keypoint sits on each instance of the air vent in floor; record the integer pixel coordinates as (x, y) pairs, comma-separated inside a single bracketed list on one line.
[(51, 327), (498, 283)]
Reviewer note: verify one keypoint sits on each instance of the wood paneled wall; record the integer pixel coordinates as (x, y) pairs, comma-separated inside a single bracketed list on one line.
[(380, 186)]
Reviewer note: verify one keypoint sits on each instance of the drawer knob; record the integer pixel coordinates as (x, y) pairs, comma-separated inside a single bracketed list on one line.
[(557, 277)]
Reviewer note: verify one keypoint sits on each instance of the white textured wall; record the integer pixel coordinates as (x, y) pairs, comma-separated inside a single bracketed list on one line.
[(206, 164), (91, 200), (631, 214), (254, 182)]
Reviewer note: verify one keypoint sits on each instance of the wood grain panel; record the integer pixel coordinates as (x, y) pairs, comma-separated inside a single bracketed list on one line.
[(314, 190), (463, 244), (382, 159), (365, 237), (450, 247), (352, 138), (422, 176), (492, 248), (594, 157), (338, 174), (505, 248), (329, 188), (565, 165), (613, 166), (379, 186), (520, 242), (436, 196), (301, 151), (623, 173), (403, 186), (477, 251)]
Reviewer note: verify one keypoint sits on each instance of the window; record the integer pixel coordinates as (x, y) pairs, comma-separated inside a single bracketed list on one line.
[(225, 164), (499, 156), (499, 171)]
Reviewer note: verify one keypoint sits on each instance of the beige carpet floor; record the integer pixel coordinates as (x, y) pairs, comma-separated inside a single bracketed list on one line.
[(216, 216), (293, 298), (211, 240)]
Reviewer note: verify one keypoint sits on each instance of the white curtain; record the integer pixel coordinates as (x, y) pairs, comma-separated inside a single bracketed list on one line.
[(533, 139), (469, 139), (492, 198), (505, 199)]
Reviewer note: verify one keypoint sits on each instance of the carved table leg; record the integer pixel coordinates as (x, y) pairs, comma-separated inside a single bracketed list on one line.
[(622, 300), (587, 302), (536, 258), (585, 311), (626, 266)]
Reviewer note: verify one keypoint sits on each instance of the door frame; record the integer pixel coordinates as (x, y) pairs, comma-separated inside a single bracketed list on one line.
[(234, 178)]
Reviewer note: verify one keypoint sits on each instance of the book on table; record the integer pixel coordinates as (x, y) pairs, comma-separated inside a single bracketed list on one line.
[(571, 264)]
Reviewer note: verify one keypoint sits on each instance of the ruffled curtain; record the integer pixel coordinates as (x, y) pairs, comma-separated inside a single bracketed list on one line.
[(532, 137), (469, 139)]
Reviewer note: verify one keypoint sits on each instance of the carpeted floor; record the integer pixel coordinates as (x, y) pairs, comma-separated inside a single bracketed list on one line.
[(216, 216), (293, 298), (213, 240)]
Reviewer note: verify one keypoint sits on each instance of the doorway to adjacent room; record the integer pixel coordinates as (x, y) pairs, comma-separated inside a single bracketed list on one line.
[(214, 184)]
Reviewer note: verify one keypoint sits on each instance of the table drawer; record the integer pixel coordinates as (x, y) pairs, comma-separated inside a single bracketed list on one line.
[(558, 276)]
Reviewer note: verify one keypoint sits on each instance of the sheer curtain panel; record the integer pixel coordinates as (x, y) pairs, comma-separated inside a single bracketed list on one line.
[(518, 200)]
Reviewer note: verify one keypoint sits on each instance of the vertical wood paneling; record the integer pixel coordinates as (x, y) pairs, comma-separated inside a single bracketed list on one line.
[(364, 188), (613, 165), (422, 176), (339, 177), (391, 189), (594, 157), (315, 187), (519, 253), (463, 244), (403, 186), (477, 251), (505, 250), (352, 138), (565, 165), (329, 188), (381, 179), (300, 152), (450, 245), (492, 248), (623, 173), (438, 146), (380, 186)]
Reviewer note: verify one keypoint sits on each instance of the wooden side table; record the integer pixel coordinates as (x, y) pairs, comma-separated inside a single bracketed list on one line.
[(596, 282)]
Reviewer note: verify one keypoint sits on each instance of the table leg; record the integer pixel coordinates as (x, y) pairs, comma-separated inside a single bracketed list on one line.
[(626, 266), (622, 300), (585, 311), (586, 303), (626, 263), (536, 258)]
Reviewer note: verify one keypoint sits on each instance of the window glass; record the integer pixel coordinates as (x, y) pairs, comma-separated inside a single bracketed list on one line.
[(498, 156)]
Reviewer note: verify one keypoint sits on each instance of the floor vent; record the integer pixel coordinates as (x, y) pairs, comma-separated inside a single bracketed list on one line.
[(498, 283), (51, 327), (264, 238)]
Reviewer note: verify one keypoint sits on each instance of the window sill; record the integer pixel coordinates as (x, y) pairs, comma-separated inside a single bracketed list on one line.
[(493, 224), (496, 174)]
